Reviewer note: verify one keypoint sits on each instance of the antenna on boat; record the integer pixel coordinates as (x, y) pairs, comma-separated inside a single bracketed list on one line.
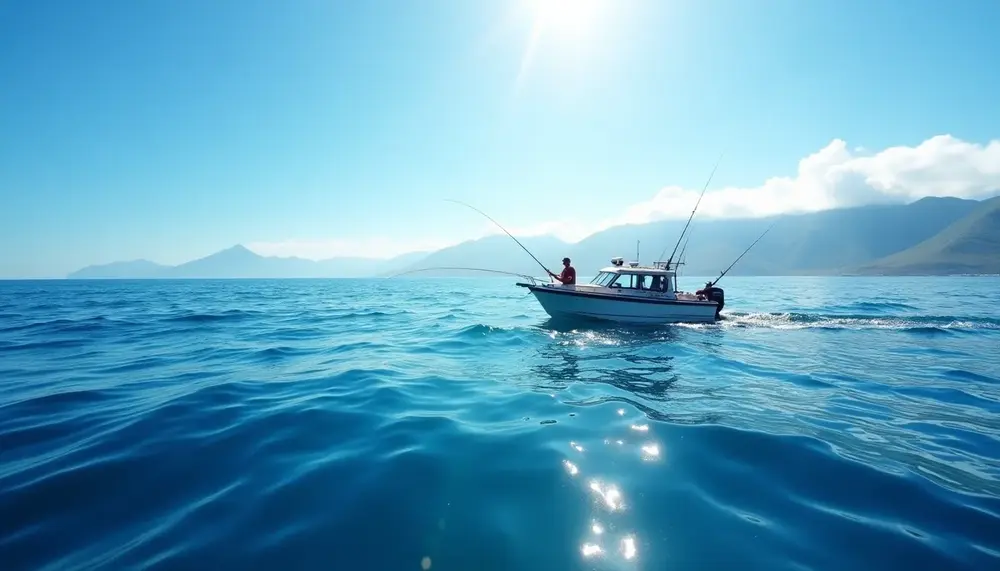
[(505, 232), (637, 251), (744, 253), (684, 231)]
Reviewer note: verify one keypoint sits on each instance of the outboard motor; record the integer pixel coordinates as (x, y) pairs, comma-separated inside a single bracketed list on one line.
[(717, 295)]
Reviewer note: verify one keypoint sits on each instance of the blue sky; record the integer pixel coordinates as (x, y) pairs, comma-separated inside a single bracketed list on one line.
[(169, 130)]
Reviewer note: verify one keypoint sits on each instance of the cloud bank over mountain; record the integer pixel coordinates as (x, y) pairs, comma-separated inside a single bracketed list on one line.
[(833, 177)]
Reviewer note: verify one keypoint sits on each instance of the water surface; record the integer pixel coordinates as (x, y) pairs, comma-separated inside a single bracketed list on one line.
[(827, 423)]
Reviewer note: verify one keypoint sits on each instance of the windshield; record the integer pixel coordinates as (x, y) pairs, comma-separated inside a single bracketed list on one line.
[(603, 278)]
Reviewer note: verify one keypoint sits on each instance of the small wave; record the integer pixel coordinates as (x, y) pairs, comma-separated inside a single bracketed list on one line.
[(878, 306), (138, 364), (930, 330), (277, 353), (229, 315), (970, 376), (63, 325), (50, 344), (478, 335), (480, 330)]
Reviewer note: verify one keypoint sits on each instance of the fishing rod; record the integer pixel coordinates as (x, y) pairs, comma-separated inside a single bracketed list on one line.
[(456, 268), (680, 258), (744, 253), (684, 231), (505, 232), (680, 261)]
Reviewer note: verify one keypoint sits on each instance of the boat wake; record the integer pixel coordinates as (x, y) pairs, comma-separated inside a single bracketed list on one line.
[(915, 323)]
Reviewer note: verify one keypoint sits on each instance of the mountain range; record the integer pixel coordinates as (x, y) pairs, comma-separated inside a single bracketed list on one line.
[(931, 236), (239, 262)]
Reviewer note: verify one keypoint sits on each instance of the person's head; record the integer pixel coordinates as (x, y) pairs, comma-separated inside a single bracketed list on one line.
[(566, 262)]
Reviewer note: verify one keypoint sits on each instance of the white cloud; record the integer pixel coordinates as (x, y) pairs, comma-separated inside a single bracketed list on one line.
[(835, 176)]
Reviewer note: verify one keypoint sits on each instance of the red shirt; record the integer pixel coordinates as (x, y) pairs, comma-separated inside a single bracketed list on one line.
[(568, 275)]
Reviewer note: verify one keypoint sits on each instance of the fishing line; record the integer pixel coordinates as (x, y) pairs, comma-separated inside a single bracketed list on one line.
[(505, 231), (680, 261), (702, 195), (453, 268), (744, 253)]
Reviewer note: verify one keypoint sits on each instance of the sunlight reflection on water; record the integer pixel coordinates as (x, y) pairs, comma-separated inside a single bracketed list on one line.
[(607, 536)]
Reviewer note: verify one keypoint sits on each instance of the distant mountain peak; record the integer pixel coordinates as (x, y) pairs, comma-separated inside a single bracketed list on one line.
[(130, 268), (237, 251)]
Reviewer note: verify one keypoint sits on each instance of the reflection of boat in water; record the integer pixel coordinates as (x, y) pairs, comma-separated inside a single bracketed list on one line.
[(632, 294)]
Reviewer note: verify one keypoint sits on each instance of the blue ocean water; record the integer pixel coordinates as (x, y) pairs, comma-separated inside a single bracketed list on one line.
[(827, 423)]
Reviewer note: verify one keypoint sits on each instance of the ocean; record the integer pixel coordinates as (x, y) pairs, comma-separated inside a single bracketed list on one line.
[(448, 424)]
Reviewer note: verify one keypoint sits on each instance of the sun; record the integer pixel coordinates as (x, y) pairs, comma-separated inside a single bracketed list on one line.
[(565, 17), (567, 27), (569, 23)]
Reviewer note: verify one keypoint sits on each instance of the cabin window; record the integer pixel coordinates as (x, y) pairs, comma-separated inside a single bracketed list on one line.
[(660, 283), (637, 281), (603, 279), (633, 281), (642, 282)]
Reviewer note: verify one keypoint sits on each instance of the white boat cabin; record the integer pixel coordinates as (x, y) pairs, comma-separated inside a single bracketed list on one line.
[(635, 278)]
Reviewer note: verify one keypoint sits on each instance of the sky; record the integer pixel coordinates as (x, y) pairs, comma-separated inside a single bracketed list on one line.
[(168, 130)]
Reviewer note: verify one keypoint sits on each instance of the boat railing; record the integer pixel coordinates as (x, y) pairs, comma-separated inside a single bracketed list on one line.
[(534, 281)]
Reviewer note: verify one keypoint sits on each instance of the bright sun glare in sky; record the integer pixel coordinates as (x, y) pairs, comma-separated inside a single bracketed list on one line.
[(560, 20), (564, 17)]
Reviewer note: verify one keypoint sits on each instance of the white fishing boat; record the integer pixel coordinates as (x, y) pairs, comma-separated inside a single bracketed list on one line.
[(633, 293), (629, 294)]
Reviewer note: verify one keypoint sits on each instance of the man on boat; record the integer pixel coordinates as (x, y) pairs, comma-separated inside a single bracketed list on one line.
[(704, 292), (568, 276), (712, 293)]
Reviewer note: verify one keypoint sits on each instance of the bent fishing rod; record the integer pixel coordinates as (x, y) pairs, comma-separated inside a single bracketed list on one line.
[(464, 269), (505, 232), (684, 231), (744, 253)]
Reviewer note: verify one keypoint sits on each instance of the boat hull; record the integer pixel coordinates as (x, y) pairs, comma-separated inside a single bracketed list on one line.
[(561, 302)]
